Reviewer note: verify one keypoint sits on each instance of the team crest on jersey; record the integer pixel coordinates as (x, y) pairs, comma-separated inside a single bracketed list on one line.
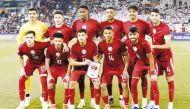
[(32, 52), (154, 31), (84, 27), (58, 54), (135, 49), (110, 49), (84, 52)]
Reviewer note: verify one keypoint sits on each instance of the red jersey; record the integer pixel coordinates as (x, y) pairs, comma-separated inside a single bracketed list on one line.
[(116, 26), (158, 33), (65, 30), (139, 51), (141, 25), (35, 54), (113, 53), (91, 26), (58, 58), (81, 53)]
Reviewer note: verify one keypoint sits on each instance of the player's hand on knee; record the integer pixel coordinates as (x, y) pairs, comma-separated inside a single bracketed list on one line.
[(125, 75), (50, 78), (66, 79), (153, 75)]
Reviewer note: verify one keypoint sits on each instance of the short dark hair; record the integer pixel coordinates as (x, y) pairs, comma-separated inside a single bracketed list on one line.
[(82, 31), (133, 29), (133, 7), (58, 34), (83, 6), (30, 32), (33, 9), (108, 28), (58, 12), (111, 8), (156, 10)]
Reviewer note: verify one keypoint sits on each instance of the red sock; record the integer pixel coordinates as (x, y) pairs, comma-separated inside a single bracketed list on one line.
[(151, 94), (120, 89), (97, 96), (144, 85), (171, 90), (81, 87), (91, 89), (43, 80), (126, 100), (134, 90), (105, 99), (22, 81), (51, 94), (155, 92), (66, 96), (109, 87), (71, 96)]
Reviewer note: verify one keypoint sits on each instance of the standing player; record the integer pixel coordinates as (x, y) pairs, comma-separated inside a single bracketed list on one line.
[(161, 39), (117, 28), (113, 51), (59, 26), (34, 50), (81, 54), (57, 64), (39, 28), (91, 26), (144, 62), (143, 29)]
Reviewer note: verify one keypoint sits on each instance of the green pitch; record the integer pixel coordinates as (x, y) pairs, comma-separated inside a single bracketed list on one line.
[(9, 71)]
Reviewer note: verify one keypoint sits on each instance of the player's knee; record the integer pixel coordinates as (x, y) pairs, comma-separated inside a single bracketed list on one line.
[(124, 85), (51, 85), (104, 87), (170, 78), (72, 84), (96, 85), (66, 85)]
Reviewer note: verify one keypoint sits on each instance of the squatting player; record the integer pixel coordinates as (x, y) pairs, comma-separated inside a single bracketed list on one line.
[(81, 54), (34, 50), (144, 62), (113, 65), (57, 65)]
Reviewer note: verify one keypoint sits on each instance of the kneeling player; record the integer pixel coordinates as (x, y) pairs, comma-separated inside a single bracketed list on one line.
[(113, 51), (57, 64), (34, 50), (144, 63), (81, 54)]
